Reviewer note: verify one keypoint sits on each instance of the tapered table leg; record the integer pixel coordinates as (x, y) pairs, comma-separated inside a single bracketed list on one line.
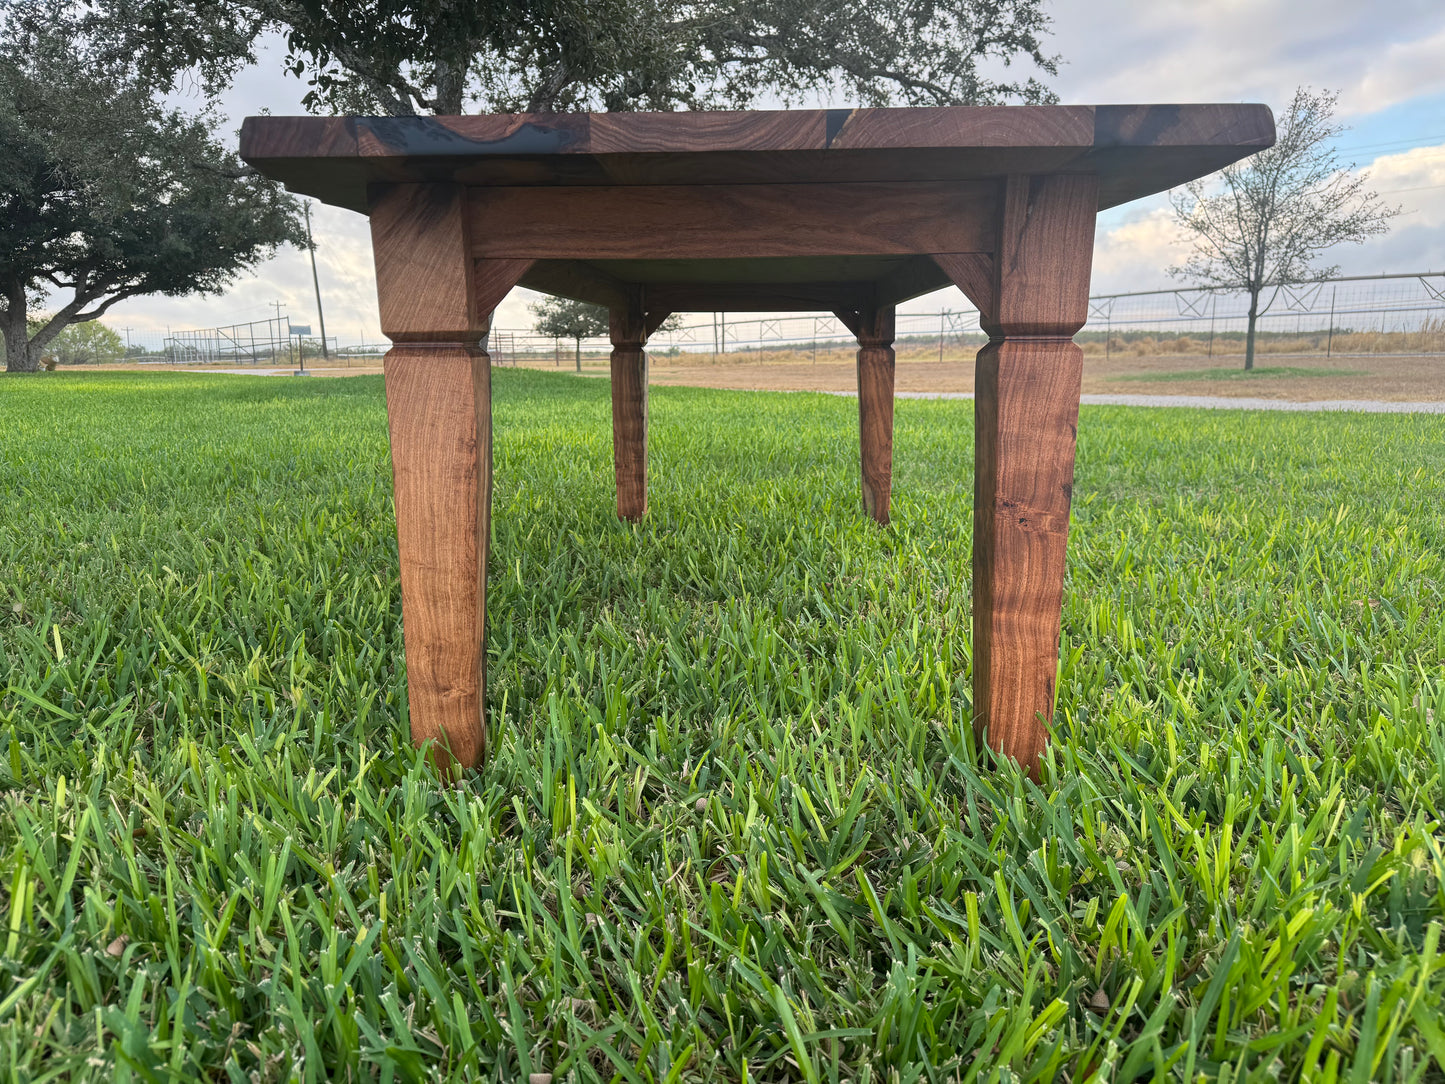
[(1026, 415), (435, 303), (629, 409), (1026, 418), (439, 411), (875, 409)]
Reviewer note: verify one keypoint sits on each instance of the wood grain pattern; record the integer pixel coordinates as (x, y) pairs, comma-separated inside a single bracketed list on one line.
[(436, 302), (1026, 411), (925, 127), (1135, 150), (425, 279), (1026, 419), (493, 280), (708, 132), (629, 330), (1046, 222), (874, 330), (714, 221), (973, 273), (438, 406)]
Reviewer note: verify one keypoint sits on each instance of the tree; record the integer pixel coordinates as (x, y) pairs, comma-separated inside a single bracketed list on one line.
[(562, 318), (86, 343), (402, 57), (1269, 218), (105, 194)]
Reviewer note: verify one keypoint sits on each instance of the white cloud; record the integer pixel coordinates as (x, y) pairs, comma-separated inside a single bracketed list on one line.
[(1136, 254), (1377, 54), (1403, 70), (1414, 181)]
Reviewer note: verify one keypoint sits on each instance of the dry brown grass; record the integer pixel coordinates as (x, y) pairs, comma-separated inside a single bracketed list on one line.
[(1290, 368)]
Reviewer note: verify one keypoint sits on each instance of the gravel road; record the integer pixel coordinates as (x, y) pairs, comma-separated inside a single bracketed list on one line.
[(1215, 402)]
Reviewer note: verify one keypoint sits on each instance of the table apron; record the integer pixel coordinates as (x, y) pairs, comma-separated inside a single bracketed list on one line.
[(743, 220)]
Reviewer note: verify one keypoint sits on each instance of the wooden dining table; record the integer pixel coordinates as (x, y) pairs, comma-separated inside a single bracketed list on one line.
[(845, 211)]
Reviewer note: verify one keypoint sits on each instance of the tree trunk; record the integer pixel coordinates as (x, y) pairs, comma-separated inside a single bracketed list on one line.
[(1249, 337), (579, 355), (19, 358), (450, 85)]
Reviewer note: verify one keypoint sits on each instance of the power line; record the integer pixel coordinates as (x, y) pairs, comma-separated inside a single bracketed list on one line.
[(1417, 188), (1420, 141)]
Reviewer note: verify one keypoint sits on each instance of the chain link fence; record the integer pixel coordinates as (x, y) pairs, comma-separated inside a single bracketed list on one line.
[(1363, 316), (1385, 315)]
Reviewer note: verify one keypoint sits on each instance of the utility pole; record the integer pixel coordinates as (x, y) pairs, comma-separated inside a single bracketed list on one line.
[(316, 282), (1330, 342), (127, 340)]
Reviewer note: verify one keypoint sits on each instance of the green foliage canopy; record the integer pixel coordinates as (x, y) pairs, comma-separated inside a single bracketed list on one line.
[(402, 57), (87, 343), (562, 318), (105, 194)]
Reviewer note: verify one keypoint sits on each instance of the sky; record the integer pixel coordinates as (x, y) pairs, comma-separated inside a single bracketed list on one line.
[(1386, 58)]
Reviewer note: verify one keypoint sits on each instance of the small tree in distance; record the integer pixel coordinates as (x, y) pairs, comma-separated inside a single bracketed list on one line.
[(1275, 212), (562, 318), (87, 343)]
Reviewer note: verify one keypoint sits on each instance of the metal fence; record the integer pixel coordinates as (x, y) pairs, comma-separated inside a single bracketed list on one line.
[(1398, 314), (1381, 315), (270, 342)]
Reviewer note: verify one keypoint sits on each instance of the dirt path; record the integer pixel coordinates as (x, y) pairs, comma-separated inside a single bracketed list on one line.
[(1298, 379), (1218, 402), (1281, 377)]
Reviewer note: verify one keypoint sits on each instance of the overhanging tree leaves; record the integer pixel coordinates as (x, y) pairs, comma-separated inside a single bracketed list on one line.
[(403, 57), (1262, 223), (106, 195)]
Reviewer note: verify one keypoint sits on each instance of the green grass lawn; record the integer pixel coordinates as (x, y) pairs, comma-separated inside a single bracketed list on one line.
[(734, 827)]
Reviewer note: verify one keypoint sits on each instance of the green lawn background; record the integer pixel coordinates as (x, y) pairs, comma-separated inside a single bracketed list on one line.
[(734, 826)]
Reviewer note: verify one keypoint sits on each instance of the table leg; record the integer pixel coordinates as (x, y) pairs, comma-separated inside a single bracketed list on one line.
[(435, 302), (875, 409), (629, 409), (1026, 414), (439, 410)]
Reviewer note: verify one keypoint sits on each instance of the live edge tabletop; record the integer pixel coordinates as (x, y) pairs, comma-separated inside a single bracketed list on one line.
[(846, 211)]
